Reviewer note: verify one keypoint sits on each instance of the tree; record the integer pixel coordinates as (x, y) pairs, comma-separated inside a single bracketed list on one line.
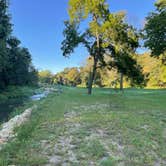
[(45, 76), (153, 69), (19, 59), (128, 66), (107, 34), (79, 10), (73, 76), (15, 62), (33, 76), (69, 77), (85, 71), (155, 30), (98, 12), (161, 5), (5, 30), (121, 41)]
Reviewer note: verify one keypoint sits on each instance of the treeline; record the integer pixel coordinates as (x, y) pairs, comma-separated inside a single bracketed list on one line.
[(153, 69), (15, 61)]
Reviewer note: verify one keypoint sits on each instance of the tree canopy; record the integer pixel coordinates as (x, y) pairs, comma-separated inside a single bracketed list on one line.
[(15, 61), (155, 30), (107, 34)]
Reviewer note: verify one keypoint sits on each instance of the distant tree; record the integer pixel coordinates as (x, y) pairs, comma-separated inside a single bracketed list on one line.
[(155, 30), (68, 77), (155, 73), (153, 69), (73, 76), (84, 75), (45, 76)]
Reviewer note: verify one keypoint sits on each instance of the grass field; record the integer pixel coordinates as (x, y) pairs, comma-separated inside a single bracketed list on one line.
[(105, 129)]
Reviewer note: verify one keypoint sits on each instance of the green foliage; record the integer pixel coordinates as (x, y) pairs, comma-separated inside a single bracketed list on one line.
[(106, 34), (45, 76), (155, 31), (72, 38), (94, 149), (15, 92), (5, 30), (15, 61), (79, 10), (161, 5), (121, 41), (152, 75), (153, 69), (108, 162), (17, 72), (73, 76), (127, 65), (69, 77)]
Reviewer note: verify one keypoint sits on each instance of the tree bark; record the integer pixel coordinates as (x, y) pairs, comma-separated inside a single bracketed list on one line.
[(121, 81), (92, 76)]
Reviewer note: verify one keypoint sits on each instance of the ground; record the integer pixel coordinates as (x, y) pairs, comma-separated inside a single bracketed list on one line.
[(105, 129)]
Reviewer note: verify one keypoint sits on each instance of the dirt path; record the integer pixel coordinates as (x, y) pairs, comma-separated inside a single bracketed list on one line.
[(86, 139), (67, 149)]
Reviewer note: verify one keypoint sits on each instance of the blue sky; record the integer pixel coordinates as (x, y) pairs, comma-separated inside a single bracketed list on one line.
[(39, 25)]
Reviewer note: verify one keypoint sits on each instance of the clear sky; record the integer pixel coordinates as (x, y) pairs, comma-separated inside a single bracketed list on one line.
[(39, 25)]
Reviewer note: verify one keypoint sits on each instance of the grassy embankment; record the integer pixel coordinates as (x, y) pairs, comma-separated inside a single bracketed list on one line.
[(103, 129), (15, 92), (13, 100)]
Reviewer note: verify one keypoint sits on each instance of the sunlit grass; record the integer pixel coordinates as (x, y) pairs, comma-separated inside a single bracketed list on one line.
[(107, 128)]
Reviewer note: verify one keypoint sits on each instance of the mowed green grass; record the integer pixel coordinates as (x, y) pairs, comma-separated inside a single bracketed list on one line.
[(106, 129)]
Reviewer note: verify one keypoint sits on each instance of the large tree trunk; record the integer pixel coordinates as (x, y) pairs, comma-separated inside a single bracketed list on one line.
[(121, 81), (92, 74), (92, 77)]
